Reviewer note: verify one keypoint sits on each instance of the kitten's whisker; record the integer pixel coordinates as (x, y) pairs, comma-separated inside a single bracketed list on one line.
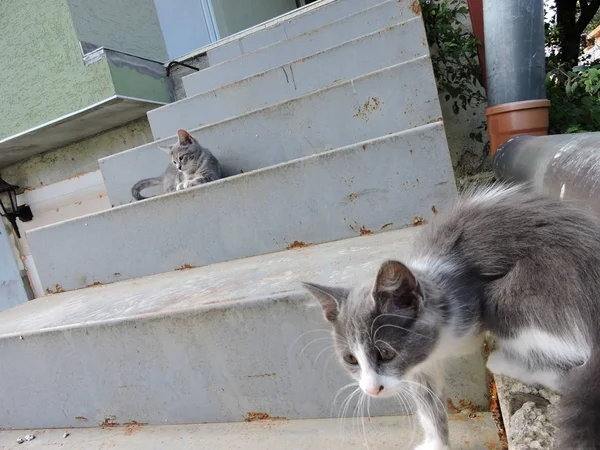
[(400, 328), (404, 403), (317, 330), (364, 399), (344, 410), (312, 342), (339, 392), (428, 390), (362, 402), (389, 345), (329, 347), (327, 361), (422, 319)]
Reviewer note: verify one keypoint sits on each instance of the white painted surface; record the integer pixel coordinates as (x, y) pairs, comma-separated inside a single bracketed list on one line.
[(68, 199), (12, 291)]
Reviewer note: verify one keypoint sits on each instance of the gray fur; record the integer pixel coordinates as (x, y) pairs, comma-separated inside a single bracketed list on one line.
[(505, 260), (191, 165)]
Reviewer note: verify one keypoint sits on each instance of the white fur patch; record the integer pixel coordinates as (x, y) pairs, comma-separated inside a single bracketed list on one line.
[(569, 348), (493, 193), (572, 349), (431, 441), (499, 365)]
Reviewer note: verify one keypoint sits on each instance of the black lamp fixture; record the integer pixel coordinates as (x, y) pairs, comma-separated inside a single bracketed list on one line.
[(10, 209)]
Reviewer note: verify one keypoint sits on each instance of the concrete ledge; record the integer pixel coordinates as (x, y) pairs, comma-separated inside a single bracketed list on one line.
[(528, 413), (283, 52), (289, 25), (383, 102), (201, 345), (374, 185), (352, 59), (382, 433)]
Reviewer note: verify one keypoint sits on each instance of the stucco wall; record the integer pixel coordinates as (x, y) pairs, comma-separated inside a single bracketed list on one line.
[(43, 76), (237, 15), (129, 26)]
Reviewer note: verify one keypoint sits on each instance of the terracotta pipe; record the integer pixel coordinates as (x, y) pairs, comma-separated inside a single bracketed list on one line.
[(513, 119), (476, 15)]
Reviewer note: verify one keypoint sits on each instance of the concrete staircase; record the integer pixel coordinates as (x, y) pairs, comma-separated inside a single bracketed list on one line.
[(329, 128)]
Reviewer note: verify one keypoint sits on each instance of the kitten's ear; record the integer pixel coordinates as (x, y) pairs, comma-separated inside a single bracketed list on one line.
[(184, 137), (330, 298), (165, 149), (396, 286)]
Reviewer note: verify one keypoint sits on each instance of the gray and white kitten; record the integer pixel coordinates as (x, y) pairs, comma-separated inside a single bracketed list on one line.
[(505, 260), (191, 165)]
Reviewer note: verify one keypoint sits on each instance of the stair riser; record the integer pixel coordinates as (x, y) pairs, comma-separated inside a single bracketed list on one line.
[(350, 60), (396, 99), (288, 28), (284, 52), (382, 184), (197, 366)]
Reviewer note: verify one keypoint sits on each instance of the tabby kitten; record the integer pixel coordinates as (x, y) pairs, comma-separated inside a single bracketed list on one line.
[(505, 260), (191, 165)]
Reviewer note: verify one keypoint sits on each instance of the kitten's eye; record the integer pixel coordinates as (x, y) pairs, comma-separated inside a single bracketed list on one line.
[(181, 158), (350, 359), (386, 354)]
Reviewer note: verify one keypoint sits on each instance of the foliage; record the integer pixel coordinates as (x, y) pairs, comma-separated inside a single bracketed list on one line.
[(575, 98), (574, 92), (453, 53)]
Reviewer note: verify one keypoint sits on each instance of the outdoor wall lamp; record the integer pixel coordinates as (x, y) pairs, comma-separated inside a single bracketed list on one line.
[(10, 209)]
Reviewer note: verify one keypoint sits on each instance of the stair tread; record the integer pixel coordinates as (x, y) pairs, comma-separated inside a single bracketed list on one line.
[(382, 433), (253, 278)]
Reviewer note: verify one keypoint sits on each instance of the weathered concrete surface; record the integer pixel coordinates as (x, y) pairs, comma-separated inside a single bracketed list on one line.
[(367, 54), (528, 414), (380, 184), (283, 52), (380, 433), (177, 73), (312, 17), (377, 104), (201, 345)]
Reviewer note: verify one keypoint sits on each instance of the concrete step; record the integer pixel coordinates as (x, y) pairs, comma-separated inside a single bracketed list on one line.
[(210, 344), (349, 60), (310, 17), (380, 184), (284, 52), (383, 102), (380, 433)]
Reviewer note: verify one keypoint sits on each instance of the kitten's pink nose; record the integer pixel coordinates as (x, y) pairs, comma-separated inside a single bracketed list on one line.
[(374, 390)]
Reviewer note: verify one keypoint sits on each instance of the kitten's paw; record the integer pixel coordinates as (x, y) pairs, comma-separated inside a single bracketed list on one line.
[(432, 445), (179, 187)]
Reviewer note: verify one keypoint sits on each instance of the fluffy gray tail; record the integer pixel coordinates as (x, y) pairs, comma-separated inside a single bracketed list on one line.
[(579, 421), (143, 184)]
